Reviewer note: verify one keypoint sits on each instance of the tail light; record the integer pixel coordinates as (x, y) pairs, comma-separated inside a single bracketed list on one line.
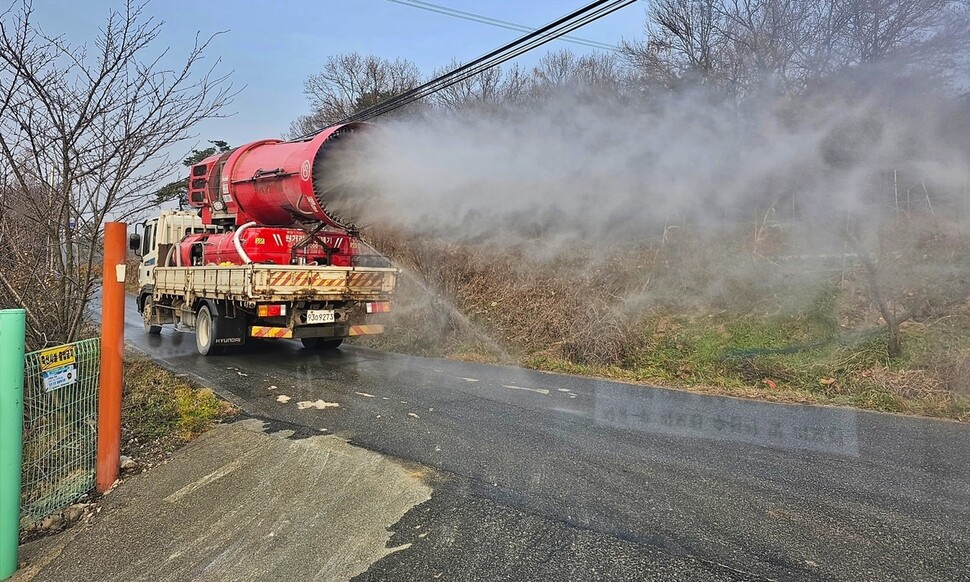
[(379, 307), (277, 310)]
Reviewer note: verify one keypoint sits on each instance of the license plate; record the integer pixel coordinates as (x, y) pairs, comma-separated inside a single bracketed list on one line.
[(320, 316)]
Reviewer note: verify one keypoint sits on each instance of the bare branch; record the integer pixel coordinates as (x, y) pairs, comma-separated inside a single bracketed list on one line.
[(82, 128)]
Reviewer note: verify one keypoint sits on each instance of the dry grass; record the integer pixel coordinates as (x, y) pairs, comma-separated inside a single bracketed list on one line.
[(735, 315), (162, 411)]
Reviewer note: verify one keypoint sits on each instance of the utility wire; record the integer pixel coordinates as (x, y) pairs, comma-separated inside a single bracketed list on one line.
[(564, 25), (471, 16), (589, 13), (484, 63), (557, 29)]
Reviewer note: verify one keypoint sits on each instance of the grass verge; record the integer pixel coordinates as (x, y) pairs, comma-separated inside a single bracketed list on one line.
[(162, 411), (794, 359)]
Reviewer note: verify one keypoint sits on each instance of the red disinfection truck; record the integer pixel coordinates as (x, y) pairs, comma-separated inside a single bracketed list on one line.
[(270, 251)]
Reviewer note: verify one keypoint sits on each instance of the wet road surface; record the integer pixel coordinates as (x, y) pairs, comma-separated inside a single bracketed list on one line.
[(540, 476)]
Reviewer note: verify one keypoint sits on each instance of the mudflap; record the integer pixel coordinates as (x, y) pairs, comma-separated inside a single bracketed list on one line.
[(331, 331), (231, 329)]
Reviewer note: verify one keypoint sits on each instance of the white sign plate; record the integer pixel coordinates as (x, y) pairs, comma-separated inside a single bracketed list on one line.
[(59, 377)]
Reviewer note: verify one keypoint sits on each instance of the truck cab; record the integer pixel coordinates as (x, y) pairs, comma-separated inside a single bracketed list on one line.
[(160, 235)]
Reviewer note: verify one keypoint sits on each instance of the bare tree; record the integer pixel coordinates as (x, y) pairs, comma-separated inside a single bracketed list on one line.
[(555, 69), (350, 83), (920, 33), (485, 88), (82, 131), (738, 45), (515, 86), (683, 42), (911, 269), (493, 87), (560, 70), (603, 70)]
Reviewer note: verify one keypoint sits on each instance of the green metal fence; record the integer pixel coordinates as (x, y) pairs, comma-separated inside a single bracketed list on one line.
[(60, 427)]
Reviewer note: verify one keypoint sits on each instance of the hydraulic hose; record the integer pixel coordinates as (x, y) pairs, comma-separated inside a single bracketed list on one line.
[(173, 253), (238, 244)]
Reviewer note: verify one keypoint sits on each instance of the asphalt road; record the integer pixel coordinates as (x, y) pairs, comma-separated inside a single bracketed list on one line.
[(545, 477)]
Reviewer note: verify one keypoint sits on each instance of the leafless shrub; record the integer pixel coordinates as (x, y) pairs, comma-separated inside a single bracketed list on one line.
[(81, 131), (582, 306), (954, 371)]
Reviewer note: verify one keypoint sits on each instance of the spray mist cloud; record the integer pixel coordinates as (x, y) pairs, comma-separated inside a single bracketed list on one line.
[(593, 166)]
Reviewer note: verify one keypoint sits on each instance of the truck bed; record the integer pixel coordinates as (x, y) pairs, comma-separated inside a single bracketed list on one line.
[(262, 282)]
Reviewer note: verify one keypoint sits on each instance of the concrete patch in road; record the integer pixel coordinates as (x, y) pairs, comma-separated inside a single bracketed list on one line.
[(239, 504)]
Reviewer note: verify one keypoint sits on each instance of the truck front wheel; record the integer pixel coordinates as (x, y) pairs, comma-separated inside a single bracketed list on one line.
[(319, 343), (206, 332)]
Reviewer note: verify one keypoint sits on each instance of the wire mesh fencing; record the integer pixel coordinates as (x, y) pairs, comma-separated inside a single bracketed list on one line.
[(60, 427)]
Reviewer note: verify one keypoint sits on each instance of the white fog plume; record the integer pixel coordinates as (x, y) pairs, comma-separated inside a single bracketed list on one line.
[(603, 168)]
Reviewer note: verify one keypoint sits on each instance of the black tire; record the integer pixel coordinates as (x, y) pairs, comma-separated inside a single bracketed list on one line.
[(320, 343), (147, 307), (206, 332)]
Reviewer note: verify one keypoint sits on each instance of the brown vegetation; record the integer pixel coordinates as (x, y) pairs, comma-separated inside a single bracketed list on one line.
[(732, 314), (82, 129)]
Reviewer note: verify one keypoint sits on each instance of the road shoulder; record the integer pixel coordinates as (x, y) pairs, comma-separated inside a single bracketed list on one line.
[(241, 504)]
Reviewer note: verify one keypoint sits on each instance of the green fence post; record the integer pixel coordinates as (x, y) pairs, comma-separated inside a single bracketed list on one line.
[(11, 434)]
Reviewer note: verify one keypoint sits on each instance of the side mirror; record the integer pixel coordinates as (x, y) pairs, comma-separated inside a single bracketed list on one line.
[(134, 242)]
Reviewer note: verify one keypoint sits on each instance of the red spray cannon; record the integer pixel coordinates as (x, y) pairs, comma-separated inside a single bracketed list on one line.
[(276, 183), (277, 202)]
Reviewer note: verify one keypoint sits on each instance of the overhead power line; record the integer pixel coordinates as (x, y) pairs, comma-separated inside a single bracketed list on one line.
[(573, 21), (471, 16), (564, 25)]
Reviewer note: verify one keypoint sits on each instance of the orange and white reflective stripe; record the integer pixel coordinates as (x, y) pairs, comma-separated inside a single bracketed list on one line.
[(366, 279), (308, 279), (278, 278), (320, 280), (285, 279), (366, 329), (270, 332)]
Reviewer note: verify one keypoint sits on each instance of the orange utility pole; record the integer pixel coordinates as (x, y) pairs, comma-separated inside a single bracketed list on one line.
[(112, 355)]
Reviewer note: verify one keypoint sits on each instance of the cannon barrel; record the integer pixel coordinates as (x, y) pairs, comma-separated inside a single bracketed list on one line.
[(277, 183)]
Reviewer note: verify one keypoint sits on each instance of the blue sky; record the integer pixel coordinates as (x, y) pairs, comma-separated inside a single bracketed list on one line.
[(271, 47)]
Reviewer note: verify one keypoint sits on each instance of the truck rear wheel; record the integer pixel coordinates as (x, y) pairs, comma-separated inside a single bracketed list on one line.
[(320, 343), (147, 311), (206, 332)]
